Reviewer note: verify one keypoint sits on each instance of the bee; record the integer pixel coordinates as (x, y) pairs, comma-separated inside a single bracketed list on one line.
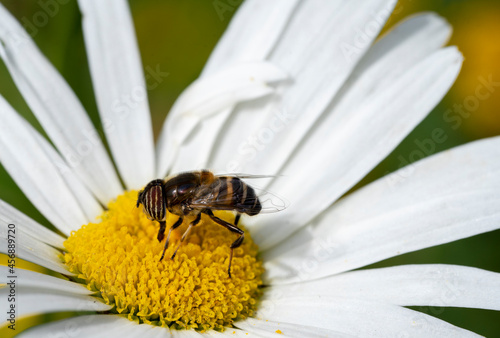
[(199, 192)]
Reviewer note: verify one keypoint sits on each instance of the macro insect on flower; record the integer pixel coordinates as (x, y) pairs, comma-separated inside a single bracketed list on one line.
[(344, 104), (194, 193)]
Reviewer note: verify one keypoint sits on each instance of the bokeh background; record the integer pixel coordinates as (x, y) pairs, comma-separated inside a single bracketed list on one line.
[(177, 36)]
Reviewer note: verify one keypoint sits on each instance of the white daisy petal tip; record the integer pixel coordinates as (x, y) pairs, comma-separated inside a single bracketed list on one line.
[(441, 26), (459, 57)]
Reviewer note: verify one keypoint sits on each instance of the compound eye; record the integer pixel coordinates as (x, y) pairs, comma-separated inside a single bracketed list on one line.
[(154, 203)]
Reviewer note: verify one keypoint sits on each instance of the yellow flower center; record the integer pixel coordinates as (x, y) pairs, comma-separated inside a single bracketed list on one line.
[(119, 259)]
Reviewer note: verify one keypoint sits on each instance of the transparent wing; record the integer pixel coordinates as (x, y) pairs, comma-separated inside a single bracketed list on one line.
[(271, 202), (240, 197)]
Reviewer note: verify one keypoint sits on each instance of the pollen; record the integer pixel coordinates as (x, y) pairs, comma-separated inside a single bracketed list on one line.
[(119, 259)]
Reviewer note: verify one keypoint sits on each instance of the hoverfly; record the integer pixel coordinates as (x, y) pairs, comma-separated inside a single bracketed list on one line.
[(200, 192)]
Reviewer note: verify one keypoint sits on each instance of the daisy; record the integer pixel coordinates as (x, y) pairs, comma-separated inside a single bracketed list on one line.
[(299, 89)]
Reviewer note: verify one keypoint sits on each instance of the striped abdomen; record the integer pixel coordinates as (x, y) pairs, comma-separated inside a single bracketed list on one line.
[(231, 193)]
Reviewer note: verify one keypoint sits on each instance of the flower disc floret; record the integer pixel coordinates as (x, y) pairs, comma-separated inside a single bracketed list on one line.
[(119, 259)]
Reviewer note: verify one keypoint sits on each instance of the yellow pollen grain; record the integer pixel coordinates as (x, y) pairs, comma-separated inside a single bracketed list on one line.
[(119, 259)]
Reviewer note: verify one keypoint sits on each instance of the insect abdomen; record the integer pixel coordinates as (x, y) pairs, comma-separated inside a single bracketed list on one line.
[(238, 196)]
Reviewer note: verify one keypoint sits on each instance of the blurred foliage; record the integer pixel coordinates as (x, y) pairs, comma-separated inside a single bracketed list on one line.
[(177, 37)]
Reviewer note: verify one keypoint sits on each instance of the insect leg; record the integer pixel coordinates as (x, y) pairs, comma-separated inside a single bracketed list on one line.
[(193, 223), (237, 219), (176, 224), (231, 228), (161, 232)]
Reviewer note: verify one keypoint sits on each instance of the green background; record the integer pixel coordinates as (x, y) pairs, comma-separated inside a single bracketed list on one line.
[(178, 36)]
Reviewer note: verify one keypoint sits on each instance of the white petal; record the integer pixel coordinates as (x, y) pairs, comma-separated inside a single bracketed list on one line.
[(30, 249), (58, 109), (33, 171), (208, 96), (104, 326), (240, 82), (35, 280), (357, 318), (229, 332), (31, 301), (408, 285), (10, 215), (443, 198), (87, 202), (194, 153), (250, 37), (401, 48), (252, 33), (266, 328), (186, 333), (120, 89), (313, 51), (356, 146)]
